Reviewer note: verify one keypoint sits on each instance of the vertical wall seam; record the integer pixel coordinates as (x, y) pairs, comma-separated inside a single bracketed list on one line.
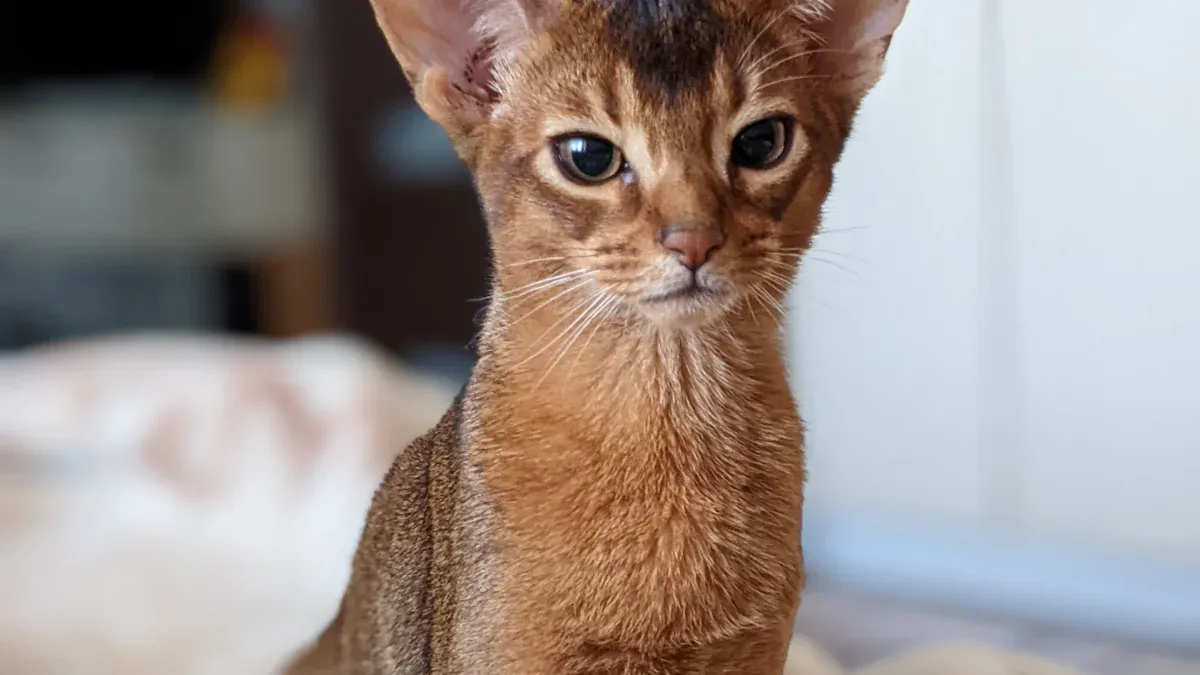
[(1003, 466)]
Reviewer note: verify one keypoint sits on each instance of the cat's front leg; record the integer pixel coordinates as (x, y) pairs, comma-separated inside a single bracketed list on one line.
[(759, 652)]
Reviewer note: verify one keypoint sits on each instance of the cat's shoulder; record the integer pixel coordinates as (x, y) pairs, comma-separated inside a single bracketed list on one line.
[(404, 491)]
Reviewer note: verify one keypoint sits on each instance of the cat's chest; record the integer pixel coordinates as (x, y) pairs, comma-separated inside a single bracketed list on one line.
[(672, 547)]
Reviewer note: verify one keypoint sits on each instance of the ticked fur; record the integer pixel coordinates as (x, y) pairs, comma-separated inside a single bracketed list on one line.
[(619, 488)]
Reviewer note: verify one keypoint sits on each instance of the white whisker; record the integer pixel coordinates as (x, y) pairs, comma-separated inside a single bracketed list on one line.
[(535, 261), (750, 308), (596, 298), (778, 281), (603, 299), (543, 284), (576, 309), (612, 306), (792, 57), (843, 229), (560, 258), (746, 52), (836, 264), (794, 78), (764, 57), (549, 300), (844, 256), (768, 300)]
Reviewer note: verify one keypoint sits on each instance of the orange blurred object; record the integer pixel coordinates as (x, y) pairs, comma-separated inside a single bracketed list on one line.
[(251, 68)]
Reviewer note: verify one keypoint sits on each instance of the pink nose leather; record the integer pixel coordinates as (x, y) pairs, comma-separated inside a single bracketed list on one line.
[(692, 246)]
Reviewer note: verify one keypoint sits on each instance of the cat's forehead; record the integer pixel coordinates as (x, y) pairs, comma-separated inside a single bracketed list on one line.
[(670, 47)]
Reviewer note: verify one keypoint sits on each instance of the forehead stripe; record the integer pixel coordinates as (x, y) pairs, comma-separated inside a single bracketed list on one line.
[(671, 45)]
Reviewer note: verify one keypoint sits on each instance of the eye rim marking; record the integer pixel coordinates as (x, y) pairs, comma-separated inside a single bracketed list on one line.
[(784, 124), (561, 154)]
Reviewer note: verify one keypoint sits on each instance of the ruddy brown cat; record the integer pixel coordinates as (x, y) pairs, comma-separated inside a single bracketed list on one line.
[(618, 488)]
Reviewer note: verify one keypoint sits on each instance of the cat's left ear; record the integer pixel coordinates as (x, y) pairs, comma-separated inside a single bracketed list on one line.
[(451, 49), (856, 36)]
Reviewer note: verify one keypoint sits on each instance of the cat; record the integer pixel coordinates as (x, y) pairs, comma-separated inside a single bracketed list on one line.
[(618, 488)]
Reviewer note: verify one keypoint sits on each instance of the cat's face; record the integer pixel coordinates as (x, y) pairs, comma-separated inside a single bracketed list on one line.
[(660, 159)]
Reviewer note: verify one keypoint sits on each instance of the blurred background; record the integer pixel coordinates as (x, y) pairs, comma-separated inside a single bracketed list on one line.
[(206, 166), (994, 341)]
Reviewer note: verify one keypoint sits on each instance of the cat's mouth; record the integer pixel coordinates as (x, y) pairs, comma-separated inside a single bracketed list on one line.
[(694, 302), (691, 291)]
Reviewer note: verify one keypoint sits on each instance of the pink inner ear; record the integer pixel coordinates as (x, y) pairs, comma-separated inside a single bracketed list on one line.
[(461, 38), (435, 33), (477, 73), (879, 22)]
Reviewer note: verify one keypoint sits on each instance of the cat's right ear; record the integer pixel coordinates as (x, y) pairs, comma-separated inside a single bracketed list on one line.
[(450, 51), (856, 35)]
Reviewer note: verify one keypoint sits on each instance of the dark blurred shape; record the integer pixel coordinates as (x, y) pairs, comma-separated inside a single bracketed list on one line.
[(411, 247), (47, 296), (157, 160), (91, 92), (239, 285), (170, 41), (292, 291)]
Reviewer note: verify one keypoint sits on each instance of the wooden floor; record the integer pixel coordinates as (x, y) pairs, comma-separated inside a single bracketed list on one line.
[(859, 630)]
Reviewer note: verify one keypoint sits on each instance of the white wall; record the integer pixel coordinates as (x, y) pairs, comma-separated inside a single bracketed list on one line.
[(1015, 350), (1105, 110), (886, 314)]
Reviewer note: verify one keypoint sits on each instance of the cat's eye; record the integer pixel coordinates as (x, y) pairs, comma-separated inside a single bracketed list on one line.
[(762, 144), (587, 159)]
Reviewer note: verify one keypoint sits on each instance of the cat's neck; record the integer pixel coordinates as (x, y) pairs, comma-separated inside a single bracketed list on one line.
[(617, 374)]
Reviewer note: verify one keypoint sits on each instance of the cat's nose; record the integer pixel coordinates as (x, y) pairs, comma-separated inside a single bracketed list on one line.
[(692, 245)]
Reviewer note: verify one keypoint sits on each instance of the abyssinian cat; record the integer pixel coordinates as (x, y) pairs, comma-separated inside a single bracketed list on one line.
[(618, 488)]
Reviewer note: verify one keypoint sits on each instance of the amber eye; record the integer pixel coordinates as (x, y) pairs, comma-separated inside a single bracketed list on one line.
[(762, 144), (587, 159)]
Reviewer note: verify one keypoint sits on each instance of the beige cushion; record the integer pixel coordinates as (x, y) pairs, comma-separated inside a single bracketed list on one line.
[(188, 505), (807, 659)]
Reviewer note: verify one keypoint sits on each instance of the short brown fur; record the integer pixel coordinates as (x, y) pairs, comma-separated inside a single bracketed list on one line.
[(618, 489)]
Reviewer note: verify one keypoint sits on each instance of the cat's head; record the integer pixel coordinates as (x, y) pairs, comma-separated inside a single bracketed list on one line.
[(666, 158)]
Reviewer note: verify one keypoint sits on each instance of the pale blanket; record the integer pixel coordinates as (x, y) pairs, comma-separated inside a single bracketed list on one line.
[(806, 658), (174, 505)]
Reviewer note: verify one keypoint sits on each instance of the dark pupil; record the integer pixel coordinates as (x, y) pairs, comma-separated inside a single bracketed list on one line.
[(591, 156), (755, 145)]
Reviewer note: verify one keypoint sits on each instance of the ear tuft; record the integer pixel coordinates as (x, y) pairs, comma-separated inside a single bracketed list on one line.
[(509, 24)]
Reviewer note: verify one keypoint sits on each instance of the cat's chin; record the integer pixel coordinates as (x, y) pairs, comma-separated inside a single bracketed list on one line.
[(687, 310)]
